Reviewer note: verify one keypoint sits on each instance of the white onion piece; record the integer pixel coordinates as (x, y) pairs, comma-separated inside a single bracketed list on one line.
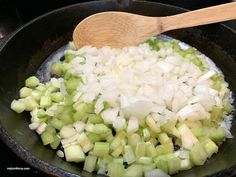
[(109, 115)]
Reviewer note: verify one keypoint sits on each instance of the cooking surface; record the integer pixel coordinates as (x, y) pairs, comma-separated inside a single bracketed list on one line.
[(15, 13)]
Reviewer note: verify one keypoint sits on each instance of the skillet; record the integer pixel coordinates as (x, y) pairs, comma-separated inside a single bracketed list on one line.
[(22, 54)]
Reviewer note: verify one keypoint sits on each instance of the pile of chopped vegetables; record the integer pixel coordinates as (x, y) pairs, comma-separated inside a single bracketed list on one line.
[(151, 110)]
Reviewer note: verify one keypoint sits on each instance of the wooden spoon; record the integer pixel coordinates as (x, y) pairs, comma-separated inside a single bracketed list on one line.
[(120, 29)]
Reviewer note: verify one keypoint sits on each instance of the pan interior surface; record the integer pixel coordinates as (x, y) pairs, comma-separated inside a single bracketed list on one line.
[(25, 52)]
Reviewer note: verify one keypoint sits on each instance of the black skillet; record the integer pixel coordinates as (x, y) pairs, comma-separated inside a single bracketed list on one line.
[(28, 47)]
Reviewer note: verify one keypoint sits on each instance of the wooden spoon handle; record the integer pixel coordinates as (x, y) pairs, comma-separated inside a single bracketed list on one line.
[(200, 17)]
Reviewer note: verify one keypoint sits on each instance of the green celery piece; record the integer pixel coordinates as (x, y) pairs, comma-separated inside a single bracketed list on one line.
[(134, 171), (198, 154), (30, 103), (68, 100), (227, 106), (133, 139), (36, 94), (198, 132), (25, 91), (173, 164), (153, 141), (164, 149), (57, 97), (80, 115), (170, 128), (117, 151), (56, 123), (117, 140), (140, 150), (74, 153), (101, 148), (95, 119), (118, 160), (45, 102), (144, 160), (193, 124), (86, 107), (90, 163), (32, 82), (217, 113), (50, 129), (153, 44), (209, 146), (69, 57), (72, 84), (56, 142), (129, 155), (84, 142), (149, 167), (57, 68), (215, 134), (185, 164), (41, 113), (146, 134), (17, 106), (161, 163), (66, 115), (150, 150), (47, 137), (163, 138), (116, 170), (93, 137)]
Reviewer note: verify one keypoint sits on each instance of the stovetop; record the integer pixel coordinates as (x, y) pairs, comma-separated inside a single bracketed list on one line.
[(15, 13)]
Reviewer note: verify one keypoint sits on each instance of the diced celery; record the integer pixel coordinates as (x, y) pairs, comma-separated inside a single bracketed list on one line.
[(117, 140), (47, 137), (41, 88), (118, 160), (140, 150), (84, 142), (197, 131), (80, 115), (133, 139), (72, 84), (93, 137), (30, 103), (50, 129), (65, 114), (25, 91), (17, 106), (163, 138), (45, 101), (116, 170), (149, 167), (215, 134), (153, 141), (32, 82), (68, 100), (164, 149), (193, 124), (95, 119), (185, 164), (56, 142), (144, 160), (134, 170), (146, 134), (150, 150), (170, 128), (74, 153), (129, 155), (56, 123), (227, 106), (57, 68), (117, 151), (161, 163), (101, 148), (36, 94), (197, 154), (173, 164), (69, 57), (209, 146), (217, 113), (41, 113), (90, 163), (57, 97)]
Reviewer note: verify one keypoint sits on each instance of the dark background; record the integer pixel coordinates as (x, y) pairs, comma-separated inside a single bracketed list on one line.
[(15, 13)]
